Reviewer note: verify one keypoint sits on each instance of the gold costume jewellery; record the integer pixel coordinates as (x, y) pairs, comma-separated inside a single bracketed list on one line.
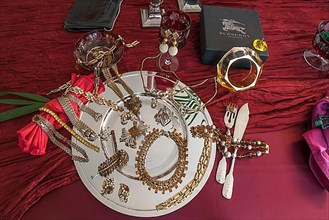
[(211, 134), (84, 129), (96, 99), (133, 103), (179, 173), (115, 162), (173, 50), (123, 193), (118, 160), (163, 116), (55, 136), (77, 136), (163, 47), (130, 136), (107, 186), (202, 166), (96, 116), (250, 147)]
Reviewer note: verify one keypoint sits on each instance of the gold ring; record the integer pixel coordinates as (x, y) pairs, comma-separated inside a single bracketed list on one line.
[(227, 61)]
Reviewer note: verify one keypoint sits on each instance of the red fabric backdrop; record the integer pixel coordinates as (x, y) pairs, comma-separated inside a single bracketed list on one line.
[(36, 56)]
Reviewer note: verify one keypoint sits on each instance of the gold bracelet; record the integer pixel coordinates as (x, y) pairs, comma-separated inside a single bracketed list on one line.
[(97, 116), (72, 132), (84, 129), (55, 136), (117, 161), (233, 55)]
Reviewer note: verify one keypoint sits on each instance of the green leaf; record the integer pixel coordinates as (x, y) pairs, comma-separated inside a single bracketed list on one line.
[(27, 95), (17, 102), (20, 111)]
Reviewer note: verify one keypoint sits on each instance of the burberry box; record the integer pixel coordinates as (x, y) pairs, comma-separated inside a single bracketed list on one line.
[(223, 28)]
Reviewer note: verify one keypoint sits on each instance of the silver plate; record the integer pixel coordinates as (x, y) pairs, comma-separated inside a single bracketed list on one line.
[(162, 156)]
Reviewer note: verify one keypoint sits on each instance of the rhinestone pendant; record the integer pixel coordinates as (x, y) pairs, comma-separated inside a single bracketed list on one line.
[(163, 116)]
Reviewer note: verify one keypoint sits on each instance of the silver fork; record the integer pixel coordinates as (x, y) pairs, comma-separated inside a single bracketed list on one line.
[(230, 116), (229, 119)]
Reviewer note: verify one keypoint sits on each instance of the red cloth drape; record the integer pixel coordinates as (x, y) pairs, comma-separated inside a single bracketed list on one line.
[(32, 139), (36, 56)]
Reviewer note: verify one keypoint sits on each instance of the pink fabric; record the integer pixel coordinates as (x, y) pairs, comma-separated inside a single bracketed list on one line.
[(318, 141)]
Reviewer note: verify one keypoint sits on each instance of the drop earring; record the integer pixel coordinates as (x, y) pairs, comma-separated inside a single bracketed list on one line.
[(168, 50), (163, 47), (123, 193), (108, 186), (173, 50)]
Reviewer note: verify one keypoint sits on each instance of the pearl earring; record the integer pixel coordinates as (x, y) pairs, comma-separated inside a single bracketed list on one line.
[(173, 50), (163, 47)]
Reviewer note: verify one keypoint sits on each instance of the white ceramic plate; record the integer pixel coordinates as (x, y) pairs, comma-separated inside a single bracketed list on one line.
[(162, 156)]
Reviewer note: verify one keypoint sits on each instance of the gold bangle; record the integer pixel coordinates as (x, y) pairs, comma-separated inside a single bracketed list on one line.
[(117, 161), (77, 136), (233, 55)]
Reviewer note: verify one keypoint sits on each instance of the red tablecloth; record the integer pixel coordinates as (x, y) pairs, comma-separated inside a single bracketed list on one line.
[(278, 186), (36, 56)]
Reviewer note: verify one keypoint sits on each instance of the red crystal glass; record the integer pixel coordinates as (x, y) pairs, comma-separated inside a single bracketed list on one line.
[(177, 22), (320, 41), (318, 56)]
